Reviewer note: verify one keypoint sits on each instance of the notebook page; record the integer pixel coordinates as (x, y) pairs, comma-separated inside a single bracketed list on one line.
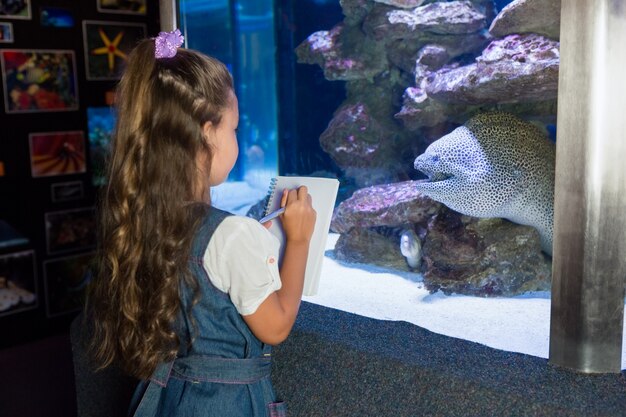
[(323, 192)]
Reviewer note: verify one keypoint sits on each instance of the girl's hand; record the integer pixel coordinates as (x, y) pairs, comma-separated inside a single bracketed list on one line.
[(299, 216)]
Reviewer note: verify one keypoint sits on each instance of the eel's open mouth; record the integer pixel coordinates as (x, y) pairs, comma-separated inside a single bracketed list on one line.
[(434, 180), (438, 176), (429, 166), (435, 177)]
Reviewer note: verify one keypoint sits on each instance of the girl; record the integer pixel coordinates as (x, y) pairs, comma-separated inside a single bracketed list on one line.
[(188, 298)]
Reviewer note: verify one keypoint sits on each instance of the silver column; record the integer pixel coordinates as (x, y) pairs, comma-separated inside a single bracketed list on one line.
[(589, 256), (167, 11)]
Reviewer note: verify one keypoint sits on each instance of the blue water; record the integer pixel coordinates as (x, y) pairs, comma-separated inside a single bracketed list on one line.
[(56, 17), (100, 126), (241, 34)]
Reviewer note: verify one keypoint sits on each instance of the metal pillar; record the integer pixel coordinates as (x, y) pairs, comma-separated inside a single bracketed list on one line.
[(589, 255), (167, 12)]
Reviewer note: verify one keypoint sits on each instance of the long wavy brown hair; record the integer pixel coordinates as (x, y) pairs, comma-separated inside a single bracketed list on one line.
[(145, 224)]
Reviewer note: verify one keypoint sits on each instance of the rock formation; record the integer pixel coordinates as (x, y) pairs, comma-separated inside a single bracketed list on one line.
[(415, 70)]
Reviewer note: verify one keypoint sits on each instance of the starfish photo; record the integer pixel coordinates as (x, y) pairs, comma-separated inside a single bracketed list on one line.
[(110, 48), (107, 45)]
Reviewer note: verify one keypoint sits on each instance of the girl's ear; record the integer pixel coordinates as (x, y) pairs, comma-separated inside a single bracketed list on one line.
[(206, 129)]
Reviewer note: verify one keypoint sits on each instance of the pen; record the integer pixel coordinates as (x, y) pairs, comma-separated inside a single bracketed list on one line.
[(272, 215)]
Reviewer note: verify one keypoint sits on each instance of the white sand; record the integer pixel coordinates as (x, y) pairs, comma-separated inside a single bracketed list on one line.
[(516, 324)]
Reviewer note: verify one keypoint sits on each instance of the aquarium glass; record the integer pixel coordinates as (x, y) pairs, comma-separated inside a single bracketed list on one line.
[(241, 34), (439, 120)]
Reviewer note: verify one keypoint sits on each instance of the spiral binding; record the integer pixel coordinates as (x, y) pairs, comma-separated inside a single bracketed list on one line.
[(270, 196)]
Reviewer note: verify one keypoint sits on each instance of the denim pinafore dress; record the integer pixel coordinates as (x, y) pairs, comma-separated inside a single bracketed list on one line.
[(226, 370)]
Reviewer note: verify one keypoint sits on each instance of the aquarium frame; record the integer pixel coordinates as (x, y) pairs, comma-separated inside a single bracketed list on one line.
[(589, 256), (169, 14)]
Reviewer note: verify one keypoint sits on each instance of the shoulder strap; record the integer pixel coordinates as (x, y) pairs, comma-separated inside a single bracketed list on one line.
[(212, 217)]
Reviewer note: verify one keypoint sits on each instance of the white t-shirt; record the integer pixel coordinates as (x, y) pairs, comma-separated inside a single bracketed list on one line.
[(241, 259)]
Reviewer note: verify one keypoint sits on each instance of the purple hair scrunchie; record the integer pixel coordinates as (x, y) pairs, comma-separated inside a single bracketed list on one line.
[(166, 44)]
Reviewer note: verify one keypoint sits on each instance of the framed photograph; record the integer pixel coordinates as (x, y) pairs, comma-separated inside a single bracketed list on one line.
[(39, 80), (57, 153), (122, 6), (65, 280), (9, 236), (6, 32), (67, 191), (107, 45), (70, 230), (15, 9), (100, 125), (56, 17), (18, 282)]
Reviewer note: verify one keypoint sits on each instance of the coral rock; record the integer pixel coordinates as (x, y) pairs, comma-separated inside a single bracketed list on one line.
[(344, 53), (518, 68), (356, 139), (483, 257), (368, 246), (404, 54), (383, 205), (355, 10), (445, 18), (403, 4), (528, 16), (419, 111)]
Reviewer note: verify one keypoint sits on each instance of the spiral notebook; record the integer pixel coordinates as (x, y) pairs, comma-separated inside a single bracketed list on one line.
[(323, 192)]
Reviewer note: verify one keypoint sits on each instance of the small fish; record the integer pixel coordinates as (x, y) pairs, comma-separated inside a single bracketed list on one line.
[(411, 248), (36, 76)]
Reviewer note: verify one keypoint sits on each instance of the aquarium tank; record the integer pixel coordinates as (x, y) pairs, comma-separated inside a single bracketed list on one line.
[(439, 120), (241, 34)]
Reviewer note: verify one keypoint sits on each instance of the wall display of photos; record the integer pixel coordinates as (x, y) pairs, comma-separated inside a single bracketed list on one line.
[(39, 80), (122, 6), (9, 236), (15, 9), (18, 282), (100, 125), (57, 153), (67, 191), (65, 280), (56, 17), (70, 230), (6, 32), (55, 132), (107, 45)]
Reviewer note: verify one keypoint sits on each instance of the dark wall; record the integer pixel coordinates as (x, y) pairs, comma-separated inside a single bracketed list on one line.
[(24, 199)]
